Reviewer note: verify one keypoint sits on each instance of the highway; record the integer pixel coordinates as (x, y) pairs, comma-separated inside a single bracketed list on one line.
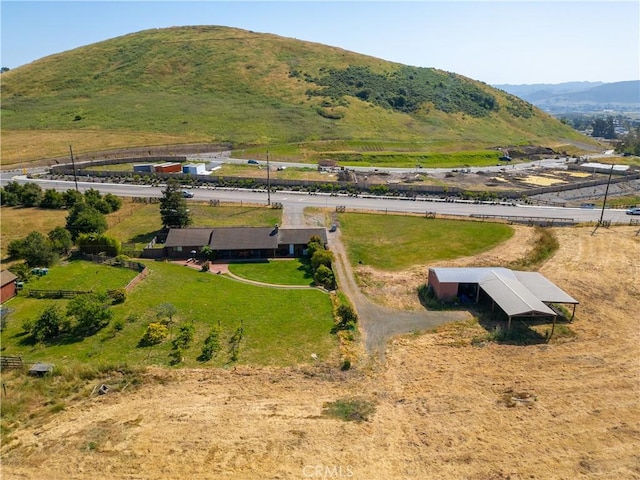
[(297, 200)]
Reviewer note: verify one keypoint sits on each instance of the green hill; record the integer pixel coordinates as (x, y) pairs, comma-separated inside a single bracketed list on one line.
[(222, 85)]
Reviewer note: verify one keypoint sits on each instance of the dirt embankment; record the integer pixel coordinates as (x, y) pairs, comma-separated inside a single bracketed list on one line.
[(444, 409)]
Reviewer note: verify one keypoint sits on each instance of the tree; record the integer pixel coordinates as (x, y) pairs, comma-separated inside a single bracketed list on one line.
[(49, 325), (22, 271), (208, 252), (7, 198), (324, 276), (321, 257), (98, 243), (85, 219), (52, 199), (31, 195), (211, 345), (72, 198), (35, 249), (156, 333), (61, 240), (173, 206), (91, 311), (604, 128), (347, 318), (114, 202)]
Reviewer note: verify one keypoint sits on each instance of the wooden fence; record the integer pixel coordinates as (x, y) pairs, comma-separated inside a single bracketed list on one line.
[(8, 362), (55, 293)]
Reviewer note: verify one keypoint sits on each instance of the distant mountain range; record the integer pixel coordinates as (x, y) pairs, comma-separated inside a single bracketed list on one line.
[(579, 97)]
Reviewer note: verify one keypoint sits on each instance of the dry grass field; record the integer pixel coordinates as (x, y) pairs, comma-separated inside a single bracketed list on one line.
[(445, 409)]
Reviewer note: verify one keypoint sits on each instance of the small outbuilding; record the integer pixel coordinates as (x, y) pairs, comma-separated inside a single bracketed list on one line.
[(518, 294), (194, 169), (168, 167), (9, 286)]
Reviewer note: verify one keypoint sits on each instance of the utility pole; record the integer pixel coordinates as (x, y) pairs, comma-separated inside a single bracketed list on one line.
[(604, 202), (268, 181), (73, 163), (606, 192)]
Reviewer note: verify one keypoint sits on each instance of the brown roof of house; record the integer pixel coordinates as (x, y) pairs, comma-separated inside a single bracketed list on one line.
[(244, 238), (6, 277), (188, 237), (300, 236)]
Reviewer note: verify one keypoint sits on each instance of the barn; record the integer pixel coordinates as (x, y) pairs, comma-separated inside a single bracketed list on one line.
[(8, 284), (517, 294)]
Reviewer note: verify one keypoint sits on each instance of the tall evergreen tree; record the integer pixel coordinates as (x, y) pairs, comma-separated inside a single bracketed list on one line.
[(173, 206)]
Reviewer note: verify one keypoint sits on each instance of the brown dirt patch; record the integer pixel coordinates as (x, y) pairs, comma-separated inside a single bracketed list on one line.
[(559, 410)]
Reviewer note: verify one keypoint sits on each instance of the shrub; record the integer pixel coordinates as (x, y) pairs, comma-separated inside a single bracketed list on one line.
[(346, 318), (350, 410), (321, 257), (324, 276), (155, 334), (211, 345), (118, 325), (118, 296), (97, 243), (184, 338)]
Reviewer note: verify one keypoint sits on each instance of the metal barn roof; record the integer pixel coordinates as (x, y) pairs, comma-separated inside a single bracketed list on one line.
[(544, 289), (512, 296), (468, 274), (515, 292)]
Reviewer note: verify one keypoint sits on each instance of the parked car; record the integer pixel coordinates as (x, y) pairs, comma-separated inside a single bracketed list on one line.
[(187, 194), (634, 211), (253, 162)]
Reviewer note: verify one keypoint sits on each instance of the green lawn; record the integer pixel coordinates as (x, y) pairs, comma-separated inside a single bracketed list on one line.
[(82, 275), (281, 272), (281, 327), (396, 242)]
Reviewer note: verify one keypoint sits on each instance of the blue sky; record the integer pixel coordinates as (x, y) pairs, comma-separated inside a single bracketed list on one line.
[(496, 42)]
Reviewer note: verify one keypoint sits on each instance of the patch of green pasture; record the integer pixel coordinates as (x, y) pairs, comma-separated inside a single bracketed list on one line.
[(233, 215), (279, 272), (281, 326), (140, 225), (396, 242), (82, 275)]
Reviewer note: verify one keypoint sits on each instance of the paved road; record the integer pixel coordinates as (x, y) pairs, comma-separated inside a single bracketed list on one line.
[(298, 200)]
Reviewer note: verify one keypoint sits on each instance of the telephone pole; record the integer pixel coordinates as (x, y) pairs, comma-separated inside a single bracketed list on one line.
[(268, 181), (73, 163)]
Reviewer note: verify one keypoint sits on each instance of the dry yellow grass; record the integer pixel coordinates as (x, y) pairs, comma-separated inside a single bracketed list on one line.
[(24, 146), (442, 411)]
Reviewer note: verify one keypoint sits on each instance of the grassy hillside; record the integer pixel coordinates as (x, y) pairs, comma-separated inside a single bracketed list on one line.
[(218, 84)]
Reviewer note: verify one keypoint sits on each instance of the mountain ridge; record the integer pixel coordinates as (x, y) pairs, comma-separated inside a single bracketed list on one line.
[(623, 95), (222, 84)]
